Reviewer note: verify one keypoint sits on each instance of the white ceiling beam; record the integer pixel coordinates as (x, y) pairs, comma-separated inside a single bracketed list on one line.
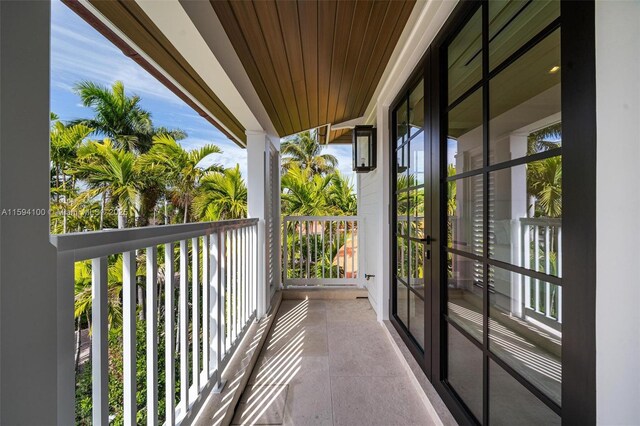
[(349, 124), (174, 22)]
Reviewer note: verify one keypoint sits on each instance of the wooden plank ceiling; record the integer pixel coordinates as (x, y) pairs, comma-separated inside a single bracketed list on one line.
[(313, 62)]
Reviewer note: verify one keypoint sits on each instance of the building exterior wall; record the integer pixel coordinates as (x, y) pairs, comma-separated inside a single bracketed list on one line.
[(368, 206), (28, 336), (618, 212)]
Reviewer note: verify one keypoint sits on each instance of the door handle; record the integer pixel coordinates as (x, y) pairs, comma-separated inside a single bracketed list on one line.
[(427, 239)]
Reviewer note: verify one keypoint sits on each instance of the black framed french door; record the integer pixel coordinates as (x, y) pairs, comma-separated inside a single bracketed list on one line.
[(411, 226), (495, 218)]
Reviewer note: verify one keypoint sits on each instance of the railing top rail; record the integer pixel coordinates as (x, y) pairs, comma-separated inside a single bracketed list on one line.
[(541, 221), (317, 218), (87, 245)]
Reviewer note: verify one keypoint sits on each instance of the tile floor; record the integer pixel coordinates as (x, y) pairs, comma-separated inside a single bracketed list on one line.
[(329, 362)]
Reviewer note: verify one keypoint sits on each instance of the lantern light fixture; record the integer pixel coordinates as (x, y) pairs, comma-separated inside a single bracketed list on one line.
[(364, 149)]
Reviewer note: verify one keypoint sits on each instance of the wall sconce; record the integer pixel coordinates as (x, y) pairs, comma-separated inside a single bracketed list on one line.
[(364, 149)]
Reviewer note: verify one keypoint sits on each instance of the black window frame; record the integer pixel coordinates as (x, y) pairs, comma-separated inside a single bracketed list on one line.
[(577, 20)]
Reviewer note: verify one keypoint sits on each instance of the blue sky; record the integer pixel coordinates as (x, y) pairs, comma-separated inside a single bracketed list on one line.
[(78, 52)]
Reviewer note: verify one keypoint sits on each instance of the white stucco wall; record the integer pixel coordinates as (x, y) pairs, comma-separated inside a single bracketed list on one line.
[(618, 212), (373, 202)]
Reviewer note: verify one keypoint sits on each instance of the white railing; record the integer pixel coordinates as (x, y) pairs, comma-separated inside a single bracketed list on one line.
[(222, 257), (322, 251), (542, 251)]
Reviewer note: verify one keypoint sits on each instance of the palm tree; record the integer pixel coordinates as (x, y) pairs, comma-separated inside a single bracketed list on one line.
[(544, 182), (451, 191), (65, 141), (116, 115), (341, 195), (111, 173), (83, 296), (304, 193), (544, 139), (221, 196), (544, 177), (304, 151), (121, 118), (183, 169)]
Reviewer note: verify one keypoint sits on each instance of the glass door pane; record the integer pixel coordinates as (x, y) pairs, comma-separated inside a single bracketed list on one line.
[(503, 253), (411, 213)]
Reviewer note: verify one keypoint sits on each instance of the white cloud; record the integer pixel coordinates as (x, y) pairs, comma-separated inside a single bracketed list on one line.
[(344, 155), (78, 52), (231, 154)]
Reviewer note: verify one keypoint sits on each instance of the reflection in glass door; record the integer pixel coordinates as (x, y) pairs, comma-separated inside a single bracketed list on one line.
[(410, 236), (502, 115)]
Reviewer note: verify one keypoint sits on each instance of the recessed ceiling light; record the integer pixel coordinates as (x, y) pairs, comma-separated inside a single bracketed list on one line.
[(554, 69)]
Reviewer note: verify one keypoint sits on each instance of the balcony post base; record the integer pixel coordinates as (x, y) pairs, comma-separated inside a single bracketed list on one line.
[(219, 386)]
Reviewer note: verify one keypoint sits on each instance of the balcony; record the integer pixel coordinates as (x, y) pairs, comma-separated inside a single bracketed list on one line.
[(209, 286), (315, 358), (324, 362)]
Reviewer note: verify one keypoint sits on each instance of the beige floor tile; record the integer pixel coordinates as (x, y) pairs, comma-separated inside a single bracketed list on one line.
[(301, 305), (289, 370), (309, 394), (261, 405), (350, 310), (307, 340), (361, 349), (329, 362), (385, 401)]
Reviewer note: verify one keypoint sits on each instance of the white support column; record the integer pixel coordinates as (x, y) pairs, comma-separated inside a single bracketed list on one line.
[(257, 186), (28, 310), (516, 209)]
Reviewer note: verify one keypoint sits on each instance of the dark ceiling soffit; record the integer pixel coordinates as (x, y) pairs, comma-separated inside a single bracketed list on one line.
[(341, 136), (279, 42), (150, 34)]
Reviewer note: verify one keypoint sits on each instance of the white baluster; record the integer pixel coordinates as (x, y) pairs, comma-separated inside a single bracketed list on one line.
[(536, 247), (99, 341), (169, 355), (526, 254), (184, 327), (226, 315), (129, 335), (195, 314), (233, 316), (353, 229), (214, 297), (152, 336), (206, 305), (243, 276)]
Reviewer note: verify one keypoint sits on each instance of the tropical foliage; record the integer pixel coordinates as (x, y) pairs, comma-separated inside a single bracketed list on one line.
[(117, 169), (222, 196), (304, 151), (311, 186), (544, 177)]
